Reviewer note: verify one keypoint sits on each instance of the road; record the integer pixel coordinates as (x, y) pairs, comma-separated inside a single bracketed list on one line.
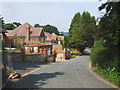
[(68, 74)]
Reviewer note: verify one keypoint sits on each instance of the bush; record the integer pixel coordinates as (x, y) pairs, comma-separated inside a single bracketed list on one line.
[(106, 60), (75, 52)]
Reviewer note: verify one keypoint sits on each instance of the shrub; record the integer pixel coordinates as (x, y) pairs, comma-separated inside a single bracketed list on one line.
[(75, 52), (106, 61)]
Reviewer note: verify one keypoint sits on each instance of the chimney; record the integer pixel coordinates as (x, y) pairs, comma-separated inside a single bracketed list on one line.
[(27, 33)]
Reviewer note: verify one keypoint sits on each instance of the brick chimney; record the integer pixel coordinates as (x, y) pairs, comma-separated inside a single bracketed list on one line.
[(27, 32)]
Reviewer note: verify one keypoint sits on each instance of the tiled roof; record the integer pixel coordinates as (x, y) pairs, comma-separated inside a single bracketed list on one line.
[(21, 30), (35, 31), (61, 37), (53, 36), (49, 36), (9, 33)]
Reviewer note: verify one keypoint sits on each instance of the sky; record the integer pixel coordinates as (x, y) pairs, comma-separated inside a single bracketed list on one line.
[(58, 14)]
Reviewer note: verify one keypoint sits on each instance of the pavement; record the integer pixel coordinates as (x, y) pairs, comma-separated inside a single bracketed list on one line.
[(25, 68), (73, 73)]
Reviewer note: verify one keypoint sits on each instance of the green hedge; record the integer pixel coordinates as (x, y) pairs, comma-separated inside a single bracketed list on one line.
[(106, 61)]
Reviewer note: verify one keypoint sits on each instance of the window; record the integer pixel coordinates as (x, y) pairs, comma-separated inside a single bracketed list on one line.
[(49, 51)]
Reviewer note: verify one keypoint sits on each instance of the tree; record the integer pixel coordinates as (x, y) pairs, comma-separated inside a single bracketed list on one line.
[(11, 26), (2, 23), (82, 30), (37, 25), (51, 29), (109, 25), (16, 24), (89, 27), (48, 28), (75, 29)]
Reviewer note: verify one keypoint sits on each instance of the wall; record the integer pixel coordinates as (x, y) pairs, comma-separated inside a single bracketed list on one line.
[(19, 57), (16, 57), (35, 58), (57, 48), (34, 39), (61, 56), (51, 58)]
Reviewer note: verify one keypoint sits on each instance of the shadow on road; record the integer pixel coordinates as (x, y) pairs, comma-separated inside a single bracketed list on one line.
[(25, 65), (36, 80)]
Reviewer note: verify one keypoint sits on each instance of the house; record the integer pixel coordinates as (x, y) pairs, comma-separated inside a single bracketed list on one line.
[(37, 41), (32, 36), (57, 45), (28, 33)]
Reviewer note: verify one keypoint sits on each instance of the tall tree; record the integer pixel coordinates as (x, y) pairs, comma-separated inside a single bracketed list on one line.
[(109, 25), (75, 29), (82, 30), (89, 27)]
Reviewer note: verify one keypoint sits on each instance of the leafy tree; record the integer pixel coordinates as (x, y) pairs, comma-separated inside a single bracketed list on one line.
[(67, 41), (75, 30), (37, 25), (16, 24), (109, 25), (48, 28), (51, 29), (82, 30), (89, 27), (11, 26)]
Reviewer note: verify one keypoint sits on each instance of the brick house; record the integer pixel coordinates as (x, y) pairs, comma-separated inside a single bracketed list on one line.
[(28, 33), (36, 39), (32, 36)]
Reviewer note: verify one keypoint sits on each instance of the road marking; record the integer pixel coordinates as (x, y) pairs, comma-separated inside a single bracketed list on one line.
[(36, 70), (30, 72), (33, 71), (101, 77)]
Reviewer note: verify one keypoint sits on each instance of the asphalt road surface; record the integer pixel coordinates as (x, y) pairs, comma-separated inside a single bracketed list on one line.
[(68, 74)]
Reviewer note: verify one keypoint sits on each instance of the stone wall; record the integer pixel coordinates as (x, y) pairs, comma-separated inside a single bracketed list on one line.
[(16, 57), (19, 57), (35, 58), (51, 58)]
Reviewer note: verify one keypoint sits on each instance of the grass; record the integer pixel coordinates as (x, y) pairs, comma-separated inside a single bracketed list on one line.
[(111, 76)]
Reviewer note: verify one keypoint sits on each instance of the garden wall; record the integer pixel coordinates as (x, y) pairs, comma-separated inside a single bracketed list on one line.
[(20, 57)]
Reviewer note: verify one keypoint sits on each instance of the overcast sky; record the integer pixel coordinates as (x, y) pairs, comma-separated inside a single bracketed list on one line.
[(58, 14)]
